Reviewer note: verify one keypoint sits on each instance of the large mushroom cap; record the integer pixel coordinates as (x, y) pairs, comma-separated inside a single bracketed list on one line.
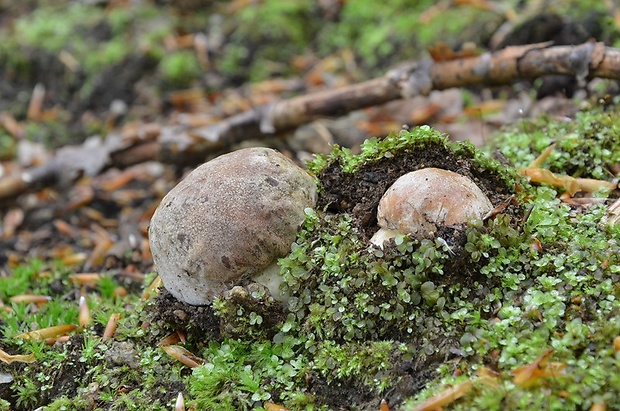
[(228, 219), (421, 201)]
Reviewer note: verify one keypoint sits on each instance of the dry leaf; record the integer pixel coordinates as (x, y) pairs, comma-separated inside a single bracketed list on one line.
[(36, 102), (180, 404), (8, 358), (31, 298), (89, 279), (570, 184), (74, 259), (270, 406), (446, 397), (12, 221), (500, 208), (49, 332), (170, 339), (110, 327), (8, 122), (538, 161), (52, 341), (151, 289), (182, 355), (84, 316), (528, 375)]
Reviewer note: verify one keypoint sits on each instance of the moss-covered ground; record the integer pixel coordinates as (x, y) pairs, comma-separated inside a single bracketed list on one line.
[(529, 296), (519, 311)]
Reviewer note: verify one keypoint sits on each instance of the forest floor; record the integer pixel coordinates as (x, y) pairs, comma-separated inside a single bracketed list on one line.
[(79, 79)]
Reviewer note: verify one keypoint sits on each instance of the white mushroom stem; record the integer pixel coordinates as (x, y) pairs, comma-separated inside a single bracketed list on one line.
[(270, 277), (383, 235)]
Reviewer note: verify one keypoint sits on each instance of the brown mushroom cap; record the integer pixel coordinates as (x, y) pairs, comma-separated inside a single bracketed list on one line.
[(420, 201), (227, 220)]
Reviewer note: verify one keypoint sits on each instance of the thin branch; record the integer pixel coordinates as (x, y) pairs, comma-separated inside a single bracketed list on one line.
[(185, 145)]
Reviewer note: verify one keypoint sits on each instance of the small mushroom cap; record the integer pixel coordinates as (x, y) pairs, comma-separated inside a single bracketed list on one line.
[(420, 201), (227, 220)]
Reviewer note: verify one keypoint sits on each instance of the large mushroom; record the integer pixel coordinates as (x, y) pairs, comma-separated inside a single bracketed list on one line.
[(229, 219), (421, 201)]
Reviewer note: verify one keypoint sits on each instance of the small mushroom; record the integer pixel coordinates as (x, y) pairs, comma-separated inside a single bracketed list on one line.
[(229, 219), (421, 201)]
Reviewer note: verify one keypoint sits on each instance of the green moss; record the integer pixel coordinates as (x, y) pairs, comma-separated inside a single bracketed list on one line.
[(558, 294), (64, 374), (51, 133), (180, 68), (407, 143), (378, 39), (53, 29), (249, 313), (76, 46), (585, 147), (540, 275), (94, 38), (382, 39), (371, 362), (63, 404), (342, 291), (241, 374), (265, 37)]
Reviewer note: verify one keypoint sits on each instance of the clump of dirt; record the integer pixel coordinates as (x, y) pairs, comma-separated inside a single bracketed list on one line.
[(359, 193), (199, 322)]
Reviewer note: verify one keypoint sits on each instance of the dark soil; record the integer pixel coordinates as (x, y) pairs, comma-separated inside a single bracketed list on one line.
[(200, 322)]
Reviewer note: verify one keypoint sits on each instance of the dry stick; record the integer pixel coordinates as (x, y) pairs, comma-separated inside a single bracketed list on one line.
[(176, 145), (503, 67)]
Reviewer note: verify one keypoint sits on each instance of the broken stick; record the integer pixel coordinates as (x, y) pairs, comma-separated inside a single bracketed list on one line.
[(177, 145)]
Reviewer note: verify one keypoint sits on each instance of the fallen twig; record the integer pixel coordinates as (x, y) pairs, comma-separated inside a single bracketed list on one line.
[(183, 145)]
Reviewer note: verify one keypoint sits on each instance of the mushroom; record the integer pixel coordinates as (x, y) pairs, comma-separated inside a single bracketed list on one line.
[(228, 220), (421, 201)]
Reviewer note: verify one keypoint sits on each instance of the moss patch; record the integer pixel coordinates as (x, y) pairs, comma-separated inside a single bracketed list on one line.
[(364, 323)]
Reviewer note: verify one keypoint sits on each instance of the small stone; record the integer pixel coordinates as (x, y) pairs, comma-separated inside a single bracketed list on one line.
[(122, 353), (180, 314)]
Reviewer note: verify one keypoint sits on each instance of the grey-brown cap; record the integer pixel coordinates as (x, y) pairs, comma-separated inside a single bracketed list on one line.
[(422, 200), (227, 220)]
